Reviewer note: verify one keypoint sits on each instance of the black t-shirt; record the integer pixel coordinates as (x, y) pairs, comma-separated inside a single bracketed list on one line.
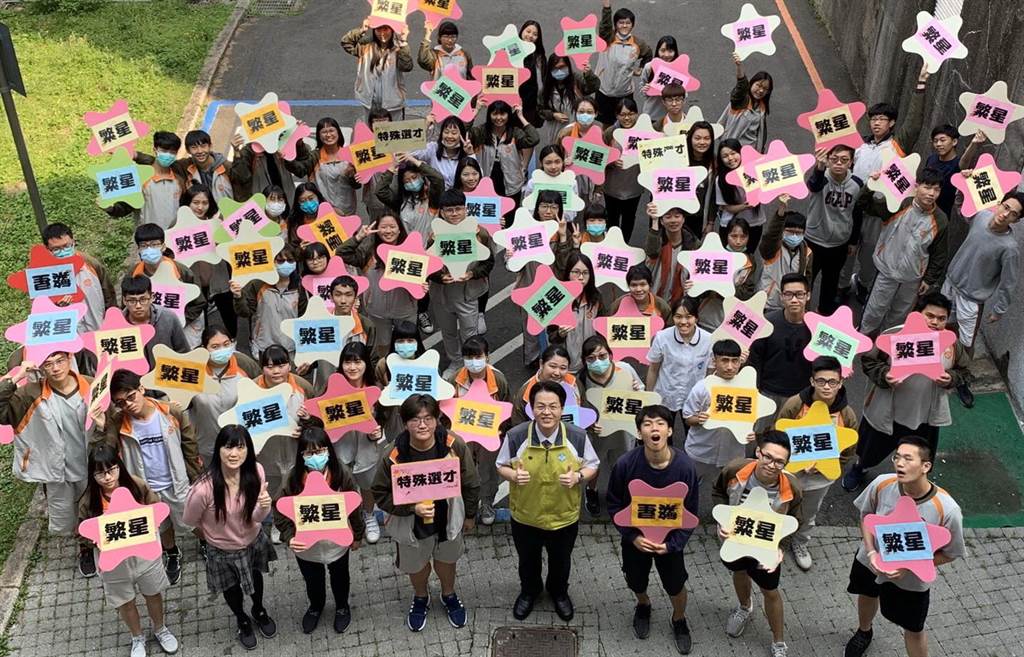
[(948, 169), (779, 358)]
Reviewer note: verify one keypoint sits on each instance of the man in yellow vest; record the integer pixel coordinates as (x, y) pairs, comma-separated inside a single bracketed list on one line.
[(546, 463)]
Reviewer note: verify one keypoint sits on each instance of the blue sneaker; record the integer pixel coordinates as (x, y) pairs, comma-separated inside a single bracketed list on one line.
[(418, 613), (853, 479), (455, 609)]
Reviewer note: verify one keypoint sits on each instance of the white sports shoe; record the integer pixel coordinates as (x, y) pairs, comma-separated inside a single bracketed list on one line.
[(738, 620), (801, 555), (168, 642), (138, 646), (372, 527)]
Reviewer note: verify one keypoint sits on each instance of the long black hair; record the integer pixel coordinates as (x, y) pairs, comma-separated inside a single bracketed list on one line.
[(195, 190), (313, 437), (766, 101), (403, 234), (590, 292), (234, 435), (103, 456), (358, 351), (730, 192), (709, 158), (539, 56), (463, 131), (567, 88), (466, 163), (549, 196), (297, 217)]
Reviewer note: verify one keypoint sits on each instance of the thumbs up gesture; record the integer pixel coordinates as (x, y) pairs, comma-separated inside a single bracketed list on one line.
[(569, 478), (263, 501), (522, 476)]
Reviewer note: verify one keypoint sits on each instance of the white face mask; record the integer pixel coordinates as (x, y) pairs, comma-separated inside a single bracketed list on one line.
[(476, 365), (275, 208)]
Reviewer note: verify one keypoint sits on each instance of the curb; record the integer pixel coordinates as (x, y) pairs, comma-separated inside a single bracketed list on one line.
[(17, 561)]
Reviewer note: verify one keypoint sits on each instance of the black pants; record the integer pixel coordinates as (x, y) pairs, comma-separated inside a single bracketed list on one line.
[(636, 566), (622, 213), (828, 260), (226, 309), (530, 543), (235, 598), (316, 581), (873, 446), (606, 106)]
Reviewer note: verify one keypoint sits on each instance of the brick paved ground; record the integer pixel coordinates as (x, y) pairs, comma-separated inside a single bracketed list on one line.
[(976, 605)]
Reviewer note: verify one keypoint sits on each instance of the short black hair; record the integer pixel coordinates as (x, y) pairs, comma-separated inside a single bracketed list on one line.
[(1015, 195), (197, 138), (548, 386), (843, 147), (794, 278), (345, 281), (826, 364), (415, 403), (554, 350), (638, 272), (935, 299), (167, 141), (673, 91), (727, 347), (133, 285), (451, 198), (475, 346), (56, 230), (148, 233), (774, 437), (945, 129), (124, 381), (794, 219), (275, 354), (654, 411), (923, 447), (624, 14), (930, 176), (888, 110), (447, 28)]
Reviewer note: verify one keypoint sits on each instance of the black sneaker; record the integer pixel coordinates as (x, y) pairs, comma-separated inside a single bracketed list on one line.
[(858, 643), (963, 391), (173, 566), (342, 618), (592, 502), (853, 478), (642, 621), (86, 564), (310, 620), (681, 633), (266, 624), (246, 635)]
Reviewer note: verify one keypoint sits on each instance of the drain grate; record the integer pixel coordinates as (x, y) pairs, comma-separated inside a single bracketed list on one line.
[(533, 642), (275, 7)]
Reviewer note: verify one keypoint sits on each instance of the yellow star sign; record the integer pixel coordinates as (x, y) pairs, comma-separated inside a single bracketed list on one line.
[(816, 442)]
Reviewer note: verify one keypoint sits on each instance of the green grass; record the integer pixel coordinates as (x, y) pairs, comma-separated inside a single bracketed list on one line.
[(148, 53)]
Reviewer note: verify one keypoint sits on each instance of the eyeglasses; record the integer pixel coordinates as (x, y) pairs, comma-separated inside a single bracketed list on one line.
[(55, 363), (315, 452), (137, 301), (827, 383), (154, 244), (778, 463), (453, 209), (127, 399), (547, 207), (421, 421), (112, 471), (794, 295), (839, 160), (896, 458), (628, 115), (579, 273)]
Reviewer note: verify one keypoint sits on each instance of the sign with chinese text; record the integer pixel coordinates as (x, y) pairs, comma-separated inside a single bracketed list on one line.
[(547, 301), (99, 390), (234, 214), (501, 79), (180, 376), (617, 409), (251, 255), (712, 268), (629, 333), (754, 529), (423, 481), (329, 229), (736, 404), (896, 180), (363, 154), (114, 129), (192, 239), (451, 95), (905, 541), (589, 156), (629, 139), (835, 336), (745, 175), (125, 529), (476, 416), (612, 257), (391, 13), (936, 40), (676, 72), (400, 136), (744, 321), (752, 32), (263, 411), (816, 442), (508, 41), (656, 512), (47, 330), (580, 39), (457, 245), (415, 376), (780, 172), (914, 348), (487, 206), (319, 512), (264, 122), (832, 122), (407, 265), (170, 292), (527, 240), (990, 112), (674, 187), (49, 276), (344, 408), (662, 153), (120, 341), (119, 180), (318, 334), (985, 188)]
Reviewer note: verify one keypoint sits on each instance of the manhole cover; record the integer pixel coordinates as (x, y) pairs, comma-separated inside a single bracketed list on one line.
[(533, 642), (275, 7)]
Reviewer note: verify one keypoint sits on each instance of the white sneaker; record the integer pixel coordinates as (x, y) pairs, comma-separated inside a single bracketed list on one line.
[(138, 646), (801, 555), (738, 620), (425, 324), (168, 642), (779, 649), (481, 324), (372, 527), (487, 515), (275, 535)]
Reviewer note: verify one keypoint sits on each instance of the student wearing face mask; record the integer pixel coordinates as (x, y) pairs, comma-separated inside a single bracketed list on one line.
[(782, 251), (267, 305), (161, 192), (406, 344), (619, 66), (411, 188), (277, 205), (305, 206), (92, 279), (585, 124), (476, 367), (325, 166), (563, 87)]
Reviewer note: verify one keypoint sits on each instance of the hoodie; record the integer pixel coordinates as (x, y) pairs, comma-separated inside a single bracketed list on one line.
[(842, 416), (435, 60), (830, 208)]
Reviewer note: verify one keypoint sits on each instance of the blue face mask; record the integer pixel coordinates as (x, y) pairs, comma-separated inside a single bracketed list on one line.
[(559, 73), (476, 365), (222, 356), (585, 118), (793, 241), (405, 349), (150, 255), (65, 252), (316, 462), (599, 366), (285, 268), (596, 229), (309, 207), (165, 159), (414, 185)]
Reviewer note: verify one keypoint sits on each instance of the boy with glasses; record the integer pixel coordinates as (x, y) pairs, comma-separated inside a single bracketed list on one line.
[(137, 299), (673, 98), (783, 251)]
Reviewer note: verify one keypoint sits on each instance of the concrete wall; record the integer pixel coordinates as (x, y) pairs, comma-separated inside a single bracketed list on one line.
[(868, 36)]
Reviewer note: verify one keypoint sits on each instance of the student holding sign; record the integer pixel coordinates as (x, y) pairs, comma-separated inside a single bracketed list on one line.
[(161, 192), (383, 57), (137, 298), (228, 503), (147, 577), (746, 117), (659, 464), (783, 251), (902, 596), (563, 87), (732, 199), (667, 50), (452, 146), (500, 147), (326, 167), (734, 483), (554, 368), (680, 356), (447, 52), (314, 453), (622, 190), (411, 188), (430, 531), (587, 307), (266, 306), (667, 238), (92, 279), (545, 461), (253, 170), (621, 62)]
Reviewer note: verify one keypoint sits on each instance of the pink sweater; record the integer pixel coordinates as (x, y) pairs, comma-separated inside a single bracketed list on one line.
[(234, 533)]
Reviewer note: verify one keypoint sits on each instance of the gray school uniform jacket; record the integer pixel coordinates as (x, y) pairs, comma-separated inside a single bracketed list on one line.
[(830, 207), (250, 172), (268, 306), (335, 179), (912, 245), (616, 65), (505, 153), (378, 83), (167, 330), (745, 119)]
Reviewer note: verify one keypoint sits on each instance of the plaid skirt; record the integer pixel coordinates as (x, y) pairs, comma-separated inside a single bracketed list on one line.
[(228, 568)]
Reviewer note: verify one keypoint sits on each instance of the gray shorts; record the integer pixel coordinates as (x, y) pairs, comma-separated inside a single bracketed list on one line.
[(176, 503), (412, 558), (133, 575)]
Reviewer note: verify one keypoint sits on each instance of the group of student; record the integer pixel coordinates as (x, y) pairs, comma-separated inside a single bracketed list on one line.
[(218, 487)]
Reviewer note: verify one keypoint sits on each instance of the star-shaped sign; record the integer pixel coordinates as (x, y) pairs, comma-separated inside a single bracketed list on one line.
[(251, 255), (656, 512), (125, 529), (501, 79), (319, 512), (407, 265), (832, 122), (263, 411), (986, 185), (617, 408), (457, 245), (119, 180), (362, 153), (589, 156), (905, 541), (752, 32), (915, 349), (835, 336), (676, 72), (392, 13), (629, 138), (476, 416), (329, 229), (754, 529), (289, 139), (562, 183), (674, 187), (264, 122), (192, 239), (518, 49), (693, 115), (170, 292), (580, 39), (736, 403), (319, 285), (573, 412), (318, 334), (612, 257), (435, 11), (124, 343), (629, 332), (344, 408), (744, 320), (780, 172), (745, 175), (990, 112), (234, 214), (181, 376), (451, 95), (487, 206), (48, 329), (547, 301), (897, 179), (410, 376), (712, 267), (114, 129), (816, 442), (99, 389), (527, 240), (936, 40), (49, 276)]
